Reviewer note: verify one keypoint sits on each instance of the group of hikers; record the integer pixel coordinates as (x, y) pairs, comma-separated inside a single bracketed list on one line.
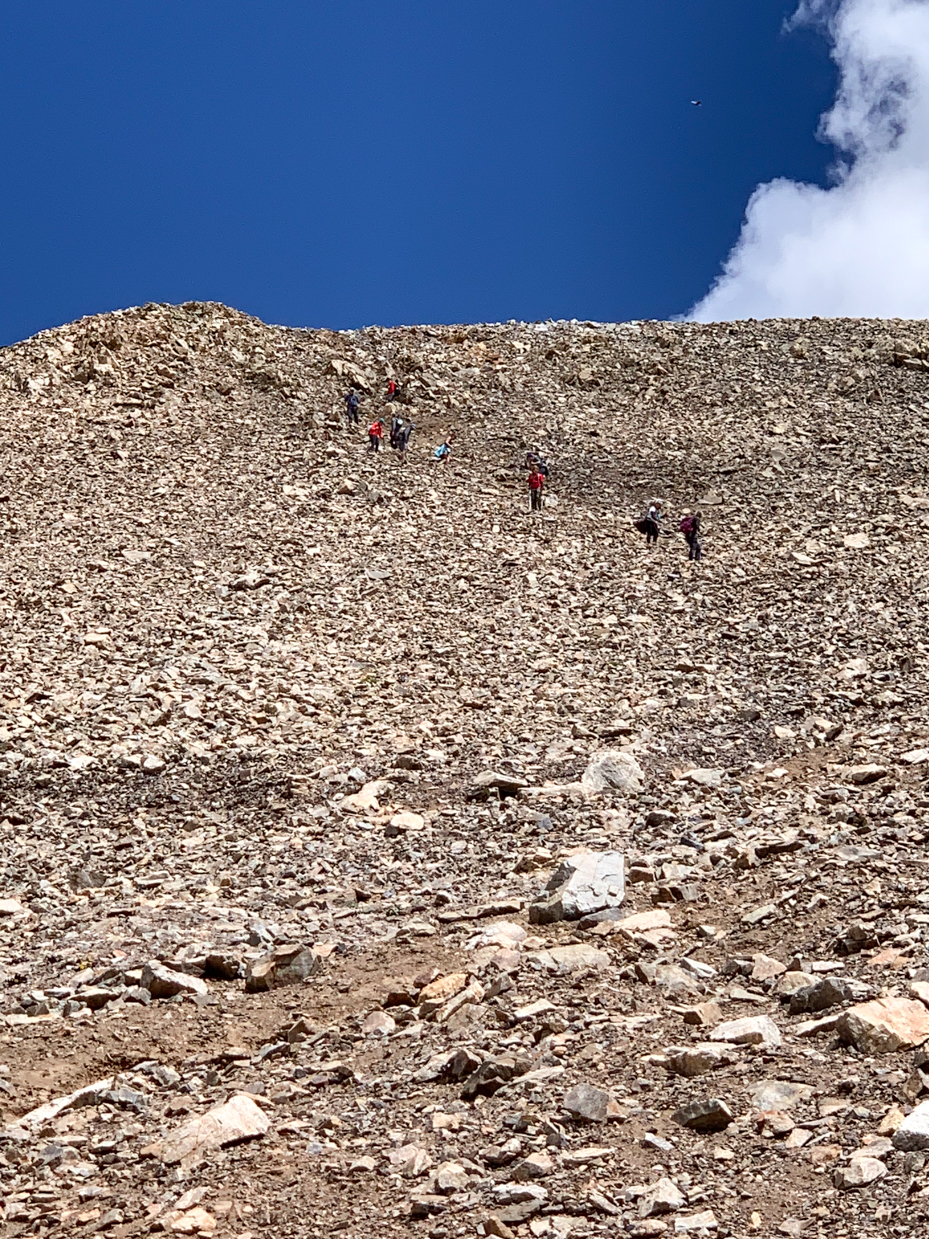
[(400, 432), (402, 428), (690, 525)]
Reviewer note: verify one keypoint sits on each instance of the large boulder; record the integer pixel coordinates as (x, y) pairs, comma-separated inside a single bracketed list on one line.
[(613, 770), (588, 1103), (885, 1025), (580, 886), (913, 1132)]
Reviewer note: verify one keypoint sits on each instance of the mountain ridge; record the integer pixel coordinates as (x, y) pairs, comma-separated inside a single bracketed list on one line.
[(262, 689)]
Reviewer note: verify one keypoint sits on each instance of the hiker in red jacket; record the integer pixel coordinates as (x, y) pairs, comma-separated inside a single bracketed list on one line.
[(690, 528), (392, 391), (536, 484), (375, 435)]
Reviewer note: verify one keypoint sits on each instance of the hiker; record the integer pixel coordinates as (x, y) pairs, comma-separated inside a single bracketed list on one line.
[(690, 528), (352, 401), (404, 430), (392, 391), (536, 460), (396, 425), (444, 450), (650, 522), (375, 435), (536, 484)]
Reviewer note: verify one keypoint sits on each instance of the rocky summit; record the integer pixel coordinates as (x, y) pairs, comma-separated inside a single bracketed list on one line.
[(380, 856)]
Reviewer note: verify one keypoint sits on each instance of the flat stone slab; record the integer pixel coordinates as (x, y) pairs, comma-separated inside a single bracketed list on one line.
[(812, 1028), (779, 1094), (26, 1126), (191, 1143), (571, 957), (751, 1030)]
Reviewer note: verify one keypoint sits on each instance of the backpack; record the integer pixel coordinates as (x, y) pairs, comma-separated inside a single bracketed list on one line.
[(641, 524), (687, 526)]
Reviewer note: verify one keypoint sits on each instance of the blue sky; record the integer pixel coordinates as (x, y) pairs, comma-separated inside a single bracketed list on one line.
[(391, 161)]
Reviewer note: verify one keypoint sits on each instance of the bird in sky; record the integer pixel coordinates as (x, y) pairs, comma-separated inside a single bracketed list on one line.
[(697, 102)]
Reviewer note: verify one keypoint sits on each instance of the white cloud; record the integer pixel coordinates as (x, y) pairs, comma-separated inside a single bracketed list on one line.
[(860, 247)]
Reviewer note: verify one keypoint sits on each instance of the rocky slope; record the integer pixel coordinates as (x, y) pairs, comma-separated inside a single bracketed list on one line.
[(293, 736)]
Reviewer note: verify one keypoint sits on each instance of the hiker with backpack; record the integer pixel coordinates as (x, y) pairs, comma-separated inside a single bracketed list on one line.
[(534, 460), (375, 435), (536, 486), (352, 401), (399, 430), (690, 528), (402, 438), (393, 391), (649, 524)]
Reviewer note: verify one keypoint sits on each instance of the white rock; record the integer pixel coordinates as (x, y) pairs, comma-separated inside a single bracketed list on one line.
[(367, 799), (695, 1060), (613, 770), (378, 1023), (662, 1197), (913, 1132), (580, 885), (43, 1114), (695, 1221), (410, 1160), (408, 821), (517, 1193), (451, 1177), (859, 1172), (779, 1094)]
